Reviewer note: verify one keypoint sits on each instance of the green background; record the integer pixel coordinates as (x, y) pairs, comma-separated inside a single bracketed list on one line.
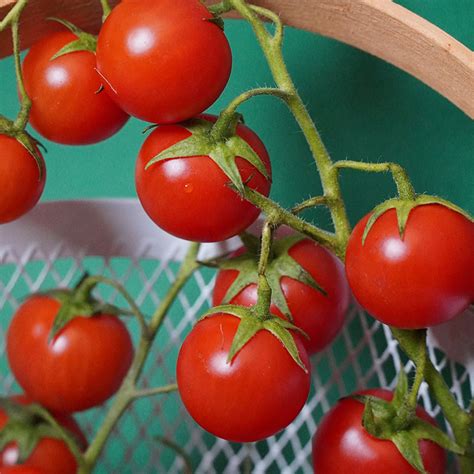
[(364, 108)]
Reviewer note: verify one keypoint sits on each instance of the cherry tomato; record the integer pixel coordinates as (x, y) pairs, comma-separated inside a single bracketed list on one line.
[(81, 367), (163, 61), (67, 107), (255, 396), (20, 179), (320, 316), (190, 197), (342, 445), (50, 456), (421, 280)]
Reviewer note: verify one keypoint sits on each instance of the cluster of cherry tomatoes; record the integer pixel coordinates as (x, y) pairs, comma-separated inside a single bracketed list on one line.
[(83, 91)]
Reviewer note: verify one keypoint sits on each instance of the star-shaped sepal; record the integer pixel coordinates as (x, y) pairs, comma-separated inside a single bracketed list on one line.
[(222, 150)]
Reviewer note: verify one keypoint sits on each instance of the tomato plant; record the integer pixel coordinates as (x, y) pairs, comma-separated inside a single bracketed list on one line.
[(419, 280), (49, 456), (341, 442), (320, 315), (21, 181), (163, 61), (190, 197), (66, 105), (256, 395), (81, 367)]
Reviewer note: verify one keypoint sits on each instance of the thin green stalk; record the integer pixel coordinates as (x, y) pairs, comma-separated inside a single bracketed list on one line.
[(105, 9), (310, 203), (13, 14), (459, 419), (271, 47), (151, 392), (400, 176), (128, 391)]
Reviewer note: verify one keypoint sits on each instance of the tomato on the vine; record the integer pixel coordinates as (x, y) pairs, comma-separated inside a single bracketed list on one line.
[(319, 315), (67, 106), (253, 397), (81, 367), (50, 455), (342, 445), (420, 280), (21, 181), (190, 197), (163, 61)]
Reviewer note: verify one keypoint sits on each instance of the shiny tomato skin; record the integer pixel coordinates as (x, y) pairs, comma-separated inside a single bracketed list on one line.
[(66, 107), (254, 397), (190, 197), (176, 61), (342, 445), (50, 456), (80, 368), (320, 316), (20, 179), (420, 281)]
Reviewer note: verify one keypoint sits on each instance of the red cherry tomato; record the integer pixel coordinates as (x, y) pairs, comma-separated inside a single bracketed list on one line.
[(342, 445), (66, 106), (50, 456), (163, 61), (421, 280), (20, 179), (190, 197), (320, 316), (80, 368), (255, 396)]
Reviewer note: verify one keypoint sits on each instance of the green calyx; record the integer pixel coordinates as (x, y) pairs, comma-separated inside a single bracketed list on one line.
[(381, 419), (403, 208), (79, 302), (251, 322), (26, 426), (26, 140), (223, 148), (84, 42), (280, 264)]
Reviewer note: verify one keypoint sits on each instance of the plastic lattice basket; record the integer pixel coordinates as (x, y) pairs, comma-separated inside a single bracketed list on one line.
[(53, 246)]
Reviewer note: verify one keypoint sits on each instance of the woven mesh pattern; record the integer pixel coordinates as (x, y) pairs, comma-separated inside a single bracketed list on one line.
[(364, 355)]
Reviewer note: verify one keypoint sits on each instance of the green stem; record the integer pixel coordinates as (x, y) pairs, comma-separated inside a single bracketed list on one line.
[(151, 392), (13, 14), (271, 47), (400, 176), (105, 9), (277, 215), (90, 282), (310, 203), (220, 8), (225, 124), (128, 391), (459, 419)]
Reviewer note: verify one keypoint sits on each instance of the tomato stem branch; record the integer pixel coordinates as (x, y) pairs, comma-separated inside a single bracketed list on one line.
[(309, 203), (151, 392), (105, 9), (128, 391), (400, 176), (457, 417)]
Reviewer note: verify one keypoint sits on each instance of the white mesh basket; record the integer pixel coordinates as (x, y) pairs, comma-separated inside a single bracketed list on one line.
[(58, 241)]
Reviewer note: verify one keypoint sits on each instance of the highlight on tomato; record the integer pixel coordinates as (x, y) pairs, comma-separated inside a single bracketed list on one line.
[(80, 367), (163, 61), (68, 105), (254, 396)]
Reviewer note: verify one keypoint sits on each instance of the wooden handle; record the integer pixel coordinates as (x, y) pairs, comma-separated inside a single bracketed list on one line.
[(380, 27)]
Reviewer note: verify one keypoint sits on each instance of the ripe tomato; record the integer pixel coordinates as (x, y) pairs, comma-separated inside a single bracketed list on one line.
[(421, 280), (190, 197), (66, 106), (50, 456), (163, 61), (79, 368), (255, 396), (342, 445), (320, 316), (20, 179)]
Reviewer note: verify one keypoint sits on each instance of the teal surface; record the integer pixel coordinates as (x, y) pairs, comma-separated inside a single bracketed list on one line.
[(365, 109)]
